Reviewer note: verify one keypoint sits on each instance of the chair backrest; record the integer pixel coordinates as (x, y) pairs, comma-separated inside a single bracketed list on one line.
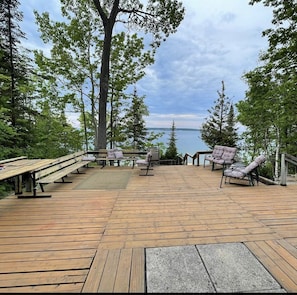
[(155, 154), (118, 154), (110, 154), (148, 157), (253, 165), (229, 154), (217, 151), (260, 159)]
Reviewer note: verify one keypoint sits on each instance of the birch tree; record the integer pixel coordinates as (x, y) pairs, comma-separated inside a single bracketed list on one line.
[(270, 107)]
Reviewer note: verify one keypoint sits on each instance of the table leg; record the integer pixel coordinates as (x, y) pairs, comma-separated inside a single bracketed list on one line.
[(18, 184), (34, 185)]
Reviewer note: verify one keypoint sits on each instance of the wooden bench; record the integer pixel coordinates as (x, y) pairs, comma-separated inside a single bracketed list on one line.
[(60, 168)]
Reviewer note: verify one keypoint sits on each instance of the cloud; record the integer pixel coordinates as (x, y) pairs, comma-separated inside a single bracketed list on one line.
[(156, 120), (217, 41)]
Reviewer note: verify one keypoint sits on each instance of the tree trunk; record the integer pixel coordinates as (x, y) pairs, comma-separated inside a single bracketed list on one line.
[(108, 24)]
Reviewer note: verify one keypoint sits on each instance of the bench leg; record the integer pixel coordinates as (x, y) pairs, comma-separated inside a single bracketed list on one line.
[(35, 194), (63, 181), (41, 186), (79, 172)]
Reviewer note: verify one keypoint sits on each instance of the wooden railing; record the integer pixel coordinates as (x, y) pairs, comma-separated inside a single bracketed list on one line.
[(285, 160), (195, 157)]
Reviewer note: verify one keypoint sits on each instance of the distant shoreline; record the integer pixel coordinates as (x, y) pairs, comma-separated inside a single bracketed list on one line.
[(169, 129)]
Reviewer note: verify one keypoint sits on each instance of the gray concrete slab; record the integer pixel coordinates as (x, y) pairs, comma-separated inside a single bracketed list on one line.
[(233, 268), (212, 268), (176, 270)]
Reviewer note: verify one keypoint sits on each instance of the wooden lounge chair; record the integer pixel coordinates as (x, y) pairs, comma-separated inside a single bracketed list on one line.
[(248, 173)]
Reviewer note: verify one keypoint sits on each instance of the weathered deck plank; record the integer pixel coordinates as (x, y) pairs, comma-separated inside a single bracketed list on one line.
[(95, 240)]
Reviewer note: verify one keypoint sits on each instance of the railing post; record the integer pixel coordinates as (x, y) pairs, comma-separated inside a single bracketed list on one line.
[(283, 171)]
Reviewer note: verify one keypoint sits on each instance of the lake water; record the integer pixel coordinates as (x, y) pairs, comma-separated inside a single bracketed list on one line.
[(187, 140)]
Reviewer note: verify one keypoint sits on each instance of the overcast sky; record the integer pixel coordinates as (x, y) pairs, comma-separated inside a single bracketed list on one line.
[(218, 40)]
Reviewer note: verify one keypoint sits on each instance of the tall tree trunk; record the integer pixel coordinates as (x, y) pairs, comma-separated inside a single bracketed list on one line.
[(104, 80), (108, 24)]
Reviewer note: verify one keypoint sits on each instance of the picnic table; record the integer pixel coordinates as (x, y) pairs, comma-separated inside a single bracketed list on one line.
[(22, 168)]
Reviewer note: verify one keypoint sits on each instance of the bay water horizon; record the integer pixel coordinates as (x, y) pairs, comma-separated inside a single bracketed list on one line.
[(187, 140)]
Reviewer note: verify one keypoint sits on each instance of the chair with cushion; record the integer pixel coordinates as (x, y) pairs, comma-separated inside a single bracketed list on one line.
[(248, 173), (147, 162), (115, 155), (155, 155), (227, 158), (216, 154), (221, 155)]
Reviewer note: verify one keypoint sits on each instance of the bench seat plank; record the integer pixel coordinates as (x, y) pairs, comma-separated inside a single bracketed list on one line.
[(60, 168)]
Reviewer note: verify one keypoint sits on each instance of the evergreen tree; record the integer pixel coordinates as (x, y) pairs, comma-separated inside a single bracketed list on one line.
[(171, 151), (15, 103), (55, 137), (219, 128), (132, 127), (231, 130)]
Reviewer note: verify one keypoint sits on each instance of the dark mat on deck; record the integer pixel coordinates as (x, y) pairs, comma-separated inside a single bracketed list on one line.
[(105, 180)]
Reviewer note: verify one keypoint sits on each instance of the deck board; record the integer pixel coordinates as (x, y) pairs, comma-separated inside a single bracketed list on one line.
[(94, 240)]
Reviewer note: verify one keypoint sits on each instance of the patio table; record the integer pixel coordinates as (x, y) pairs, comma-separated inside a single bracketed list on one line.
[(23, 168)]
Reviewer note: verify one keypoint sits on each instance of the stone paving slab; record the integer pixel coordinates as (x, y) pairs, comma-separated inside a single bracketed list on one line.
[(176, 269), (212, 268)]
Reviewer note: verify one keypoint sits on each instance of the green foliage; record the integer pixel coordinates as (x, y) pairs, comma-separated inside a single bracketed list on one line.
[(16, 111), (159, 18), (219, 128), (54, 137), (171, 151), (269, 109), (5, 189), (282, 51), (132, 126), (76, 58)]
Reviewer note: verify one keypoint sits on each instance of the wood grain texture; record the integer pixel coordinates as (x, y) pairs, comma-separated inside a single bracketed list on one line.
[(94, 240)]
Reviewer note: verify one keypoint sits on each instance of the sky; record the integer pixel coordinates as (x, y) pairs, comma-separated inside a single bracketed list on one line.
[(218, 40)]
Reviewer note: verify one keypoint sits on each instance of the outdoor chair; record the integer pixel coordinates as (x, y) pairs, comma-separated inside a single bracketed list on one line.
[(115, 155), (155, 155), (221, 155), (247, 173), (216, 154), (147, 162)]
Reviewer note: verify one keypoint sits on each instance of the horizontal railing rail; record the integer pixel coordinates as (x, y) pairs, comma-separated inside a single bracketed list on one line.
[(195, 156)]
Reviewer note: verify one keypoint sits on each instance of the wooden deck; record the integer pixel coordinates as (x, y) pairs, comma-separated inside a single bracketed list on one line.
[(95, 240)]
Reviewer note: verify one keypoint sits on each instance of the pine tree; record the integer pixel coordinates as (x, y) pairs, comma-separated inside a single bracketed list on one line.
[(219, 129), (15, 104), (231, 130), (132, 126), (171, 151)]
